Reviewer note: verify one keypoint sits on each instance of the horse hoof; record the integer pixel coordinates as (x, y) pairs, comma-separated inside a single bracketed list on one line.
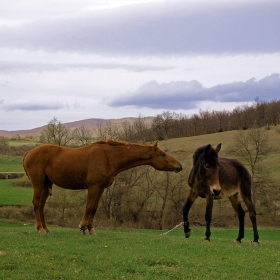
[(255, 243), (41, 231), (237, 241), (207, 239), (92, 231), (85, 231), (188, 234)]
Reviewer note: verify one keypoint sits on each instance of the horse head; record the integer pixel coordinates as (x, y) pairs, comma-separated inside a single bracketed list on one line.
[(206, 168), (162, 161)]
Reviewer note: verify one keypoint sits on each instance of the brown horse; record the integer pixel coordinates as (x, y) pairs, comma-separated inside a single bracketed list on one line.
[(214, 177), (93, 167)]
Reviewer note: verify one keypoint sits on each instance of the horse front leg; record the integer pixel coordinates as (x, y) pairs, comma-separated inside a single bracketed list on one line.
[(91, 216), (93, 197), (208, 215), (190, 200)]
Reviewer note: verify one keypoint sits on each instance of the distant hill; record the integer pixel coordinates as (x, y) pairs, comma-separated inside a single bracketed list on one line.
[(90, 123)]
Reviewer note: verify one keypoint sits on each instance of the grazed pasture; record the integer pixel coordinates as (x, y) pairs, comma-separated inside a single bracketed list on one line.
[(135, 254)]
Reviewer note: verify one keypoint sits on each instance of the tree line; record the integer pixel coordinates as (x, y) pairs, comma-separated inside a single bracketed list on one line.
[(165, 125), (168, 125)]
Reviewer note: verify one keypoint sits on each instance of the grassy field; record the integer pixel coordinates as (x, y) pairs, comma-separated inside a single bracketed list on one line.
[(11, 164), (135, 254), (11, 195), (23, 142)]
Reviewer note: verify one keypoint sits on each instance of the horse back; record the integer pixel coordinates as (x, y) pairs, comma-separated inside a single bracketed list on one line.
[(66, 167)]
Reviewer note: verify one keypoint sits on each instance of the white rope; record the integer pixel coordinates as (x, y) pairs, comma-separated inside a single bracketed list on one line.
[(172, 229)]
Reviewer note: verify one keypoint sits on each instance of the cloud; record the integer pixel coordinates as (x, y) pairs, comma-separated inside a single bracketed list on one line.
[(155, 29), (187, 95), (31, 106), (30, 66)]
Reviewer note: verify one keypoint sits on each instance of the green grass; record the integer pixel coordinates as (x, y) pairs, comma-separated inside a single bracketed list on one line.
[(10, 195), (11, 164), (22, 142), (135, 254)]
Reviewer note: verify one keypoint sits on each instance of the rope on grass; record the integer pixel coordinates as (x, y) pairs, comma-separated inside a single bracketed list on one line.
[(172, 228)]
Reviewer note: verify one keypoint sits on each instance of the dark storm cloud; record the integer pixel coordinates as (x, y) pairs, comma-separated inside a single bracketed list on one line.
[(186, 95), (31, 106), (161, 28)]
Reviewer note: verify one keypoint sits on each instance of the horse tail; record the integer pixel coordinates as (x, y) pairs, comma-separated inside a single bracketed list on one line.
[(23, 163), (246, 179), (49, 184)]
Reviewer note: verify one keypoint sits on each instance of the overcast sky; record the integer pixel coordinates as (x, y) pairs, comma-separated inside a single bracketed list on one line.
[(82, 59)]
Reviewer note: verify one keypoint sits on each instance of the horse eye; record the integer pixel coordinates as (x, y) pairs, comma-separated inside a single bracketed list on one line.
[(163, 154), (207, 166)]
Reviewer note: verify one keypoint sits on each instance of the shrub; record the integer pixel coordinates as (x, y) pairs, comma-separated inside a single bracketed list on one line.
[(22, 182)]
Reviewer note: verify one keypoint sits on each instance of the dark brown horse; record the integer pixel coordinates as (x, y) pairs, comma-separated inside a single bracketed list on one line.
[(213, 177), (93, 167)]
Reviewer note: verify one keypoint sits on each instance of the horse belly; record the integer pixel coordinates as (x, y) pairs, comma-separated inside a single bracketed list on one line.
[(72, 186), (228, 191), (68, 179)]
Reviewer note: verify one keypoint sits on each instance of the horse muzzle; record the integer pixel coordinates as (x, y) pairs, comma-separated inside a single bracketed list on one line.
[(216, 192), (178, 169)]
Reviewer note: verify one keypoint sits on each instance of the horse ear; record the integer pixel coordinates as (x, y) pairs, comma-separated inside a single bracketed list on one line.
[(155, 146), (207, 150), (218, 148)]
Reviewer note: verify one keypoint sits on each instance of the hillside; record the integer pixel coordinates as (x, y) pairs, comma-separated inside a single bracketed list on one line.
[(90, 123), (137, 191)]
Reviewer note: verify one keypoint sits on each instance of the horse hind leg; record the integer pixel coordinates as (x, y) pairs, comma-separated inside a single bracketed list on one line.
[(41, 192), (43, 200), (38, 192), (236, 204), (252, 214)]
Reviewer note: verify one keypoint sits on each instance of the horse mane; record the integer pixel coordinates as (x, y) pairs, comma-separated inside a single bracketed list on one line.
[(196, 162), (116, 143), (197, 153), (200, 150)]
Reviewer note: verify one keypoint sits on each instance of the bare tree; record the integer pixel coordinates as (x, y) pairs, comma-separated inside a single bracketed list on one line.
[(127, 132), (250, 146), (168, 187), (139, 192), (164, 123), (108, 131), (56, 133), (83, 135)]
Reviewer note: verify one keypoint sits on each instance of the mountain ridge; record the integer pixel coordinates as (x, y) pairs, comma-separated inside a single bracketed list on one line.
[(91, 123)]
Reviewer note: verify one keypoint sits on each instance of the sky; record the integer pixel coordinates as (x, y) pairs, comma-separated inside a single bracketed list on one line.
[(112, 59)]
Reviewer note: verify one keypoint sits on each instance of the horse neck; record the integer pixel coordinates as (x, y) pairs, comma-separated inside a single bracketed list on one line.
[(129, 156)]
